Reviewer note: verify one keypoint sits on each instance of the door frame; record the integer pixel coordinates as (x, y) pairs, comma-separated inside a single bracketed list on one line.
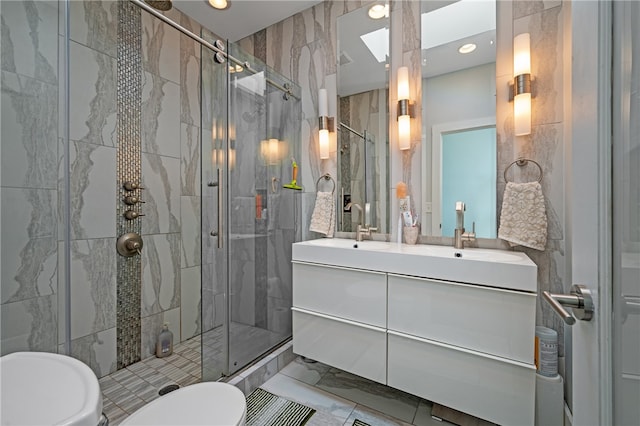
[(437, 131), (590, 210)]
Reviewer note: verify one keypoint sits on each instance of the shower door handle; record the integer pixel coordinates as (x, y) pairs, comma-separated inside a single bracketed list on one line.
[(220, 199)]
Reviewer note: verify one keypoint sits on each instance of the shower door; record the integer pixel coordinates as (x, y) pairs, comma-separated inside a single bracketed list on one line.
[(249, 219)]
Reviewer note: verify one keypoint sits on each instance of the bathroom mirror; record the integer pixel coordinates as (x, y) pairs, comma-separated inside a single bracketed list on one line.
[(362, 119), (459, 110)]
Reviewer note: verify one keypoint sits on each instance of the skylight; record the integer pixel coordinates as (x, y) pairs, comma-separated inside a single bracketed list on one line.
[(378, 43), (471, 17)]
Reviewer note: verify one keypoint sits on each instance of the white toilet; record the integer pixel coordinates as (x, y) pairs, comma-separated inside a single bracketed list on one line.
[(209, 403), (41, 388)]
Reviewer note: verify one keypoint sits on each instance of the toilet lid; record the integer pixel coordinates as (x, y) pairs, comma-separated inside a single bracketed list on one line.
[(40, 388), (210, 403)]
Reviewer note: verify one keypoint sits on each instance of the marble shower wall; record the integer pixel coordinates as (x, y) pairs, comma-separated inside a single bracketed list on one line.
[(303, 48), (33, 179), (29, 181)]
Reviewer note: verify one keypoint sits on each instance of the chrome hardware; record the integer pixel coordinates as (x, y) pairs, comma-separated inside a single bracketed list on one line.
[(103, 420), (131, 186), (220, 202), (219, 58), (129, 244), (132, 214), (218, 233), (579, 298), (459, 235), (219, 44), (131, 200), (364, 230)]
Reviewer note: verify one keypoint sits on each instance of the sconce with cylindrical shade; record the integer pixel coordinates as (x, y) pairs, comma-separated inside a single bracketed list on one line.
[(404, 113), (273, 150), (522, 84), (325, 124), (217, 152)]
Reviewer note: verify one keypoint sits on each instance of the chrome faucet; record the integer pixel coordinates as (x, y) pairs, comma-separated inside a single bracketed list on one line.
[(459, 235), (362, 230)]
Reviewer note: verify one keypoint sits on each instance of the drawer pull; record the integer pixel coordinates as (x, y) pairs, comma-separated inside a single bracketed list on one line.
[(460, 349), (342, 320)]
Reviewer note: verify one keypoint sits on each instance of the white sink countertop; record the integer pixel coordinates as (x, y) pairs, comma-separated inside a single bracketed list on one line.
[(495, 268)]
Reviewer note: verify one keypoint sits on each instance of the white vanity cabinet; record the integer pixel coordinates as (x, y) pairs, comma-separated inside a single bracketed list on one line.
[(453, 328), (464, 346), (340, 317)]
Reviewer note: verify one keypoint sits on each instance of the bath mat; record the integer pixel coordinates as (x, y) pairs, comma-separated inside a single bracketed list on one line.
[(267, 409), (357, 422)]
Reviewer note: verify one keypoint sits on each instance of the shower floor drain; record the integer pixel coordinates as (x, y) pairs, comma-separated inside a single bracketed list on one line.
[(169, 388)]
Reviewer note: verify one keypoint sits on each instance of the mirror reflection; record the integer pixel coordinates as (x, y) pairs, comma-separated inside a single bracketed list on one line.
[(362, 122), (459, 109)]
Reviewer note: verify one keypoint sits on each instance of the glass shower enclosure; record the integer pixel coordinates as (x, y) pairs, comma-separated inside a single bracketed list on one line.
[(250, 128)]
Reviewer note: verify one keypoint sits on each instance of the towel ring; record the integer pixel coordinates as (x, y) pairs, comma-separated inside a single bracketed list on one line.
[(521, 162), (326, 176)]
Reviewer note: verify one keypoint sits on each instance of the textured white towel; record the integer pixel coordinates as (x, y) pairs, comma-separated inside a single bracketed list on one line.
[(523, 220), (323, 218)]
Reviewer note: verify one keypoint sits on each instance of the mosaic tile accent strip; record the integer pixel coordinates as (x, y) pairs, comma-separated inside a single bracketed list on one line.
[(129, 160)]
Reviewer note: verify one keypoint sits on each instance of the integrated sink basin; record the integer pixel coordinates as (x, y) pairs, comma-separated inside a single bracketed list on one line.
[(495, 268)]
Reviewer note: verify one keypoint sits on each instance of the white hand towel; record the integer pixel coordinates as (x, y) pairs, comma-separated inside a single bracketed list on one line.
[(323, 218), (523, 220)]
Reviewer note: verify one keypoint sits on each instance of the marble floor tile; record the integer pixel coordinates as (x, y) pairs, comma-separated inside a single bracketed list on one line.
[(387, 400), (321, 418), (338, 397), (313, 397), (423, 415), (307, 372), (373, 418)]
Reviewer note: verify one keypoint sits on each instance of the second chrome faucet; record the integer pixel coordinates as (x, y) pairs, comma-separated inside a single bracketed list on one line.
[(460, 236), (365, 229)]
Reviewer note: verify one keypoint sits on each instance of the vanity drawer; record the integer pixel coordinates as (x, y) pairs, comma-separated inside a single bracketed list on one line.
[(341, 292), (498, 390), (352, 347), (490, 320)]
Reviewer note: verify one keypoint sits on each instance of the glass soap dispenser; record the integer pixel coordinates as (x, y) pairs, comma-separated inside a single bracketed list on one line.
[(164, 346)]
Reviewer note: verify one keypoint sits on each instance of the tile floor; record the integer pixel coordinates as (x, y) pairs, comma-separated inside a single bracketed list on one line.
[(338, 397)]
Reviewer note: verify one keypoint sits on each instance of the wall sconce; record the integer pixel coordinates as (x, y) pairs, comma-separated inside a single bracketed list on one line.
[(404, 109), (325, 124), (522, 84), (218, 154), (273, 150)]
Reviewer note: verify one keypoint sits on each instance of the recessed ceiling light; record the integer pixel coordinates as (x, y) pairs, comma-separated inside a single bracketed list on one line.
[(219, 4), (379, 11), (467, 48)]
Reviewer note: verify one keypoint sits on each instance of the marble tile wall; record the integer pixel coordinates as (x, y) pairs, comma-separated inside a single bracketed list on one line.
[(303, 48), (171, 174), (29, 181), (546, 145), (33, 253)]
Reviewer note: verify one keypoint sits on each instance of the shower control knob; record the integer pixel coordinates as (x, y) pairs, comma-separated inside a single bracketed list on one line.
[(129, 244), (132, 214), (131, 200), (131, 186)]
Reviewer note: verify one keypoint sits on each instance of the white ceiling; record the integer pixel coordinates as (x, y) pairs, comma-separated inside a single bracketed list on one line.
[(242, 17)]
